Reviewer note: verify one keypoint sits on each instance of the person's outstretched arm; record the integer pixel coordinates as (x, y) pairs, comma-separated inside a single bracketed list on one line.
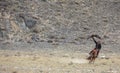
[(94, 40)]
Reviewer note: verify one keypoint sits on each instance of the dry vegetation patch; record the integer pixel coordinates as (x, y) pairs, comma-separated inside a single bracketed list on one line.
[(21, 62)]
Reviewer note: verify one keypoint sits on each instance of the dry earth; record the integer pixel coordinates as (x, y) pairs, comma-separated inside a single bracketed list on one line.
[(56, 62), (49, 36)]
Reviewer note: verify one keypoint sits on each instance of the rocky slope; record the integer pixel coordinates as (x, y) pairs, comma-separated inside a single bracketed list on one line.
[(48, 23)]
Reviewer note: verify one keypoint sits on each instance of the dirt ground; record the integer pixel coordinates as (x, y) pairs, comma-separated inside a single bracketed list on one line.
[(30, 28), (56, 61)]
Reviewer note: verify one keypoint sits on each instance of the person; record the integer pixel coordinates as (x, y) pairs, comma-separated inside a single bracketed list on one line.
[(95, 52)]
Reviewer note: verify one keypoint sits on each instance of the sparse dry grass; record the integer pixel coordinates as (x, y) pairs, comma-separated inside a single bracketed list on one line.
[(42, 62)]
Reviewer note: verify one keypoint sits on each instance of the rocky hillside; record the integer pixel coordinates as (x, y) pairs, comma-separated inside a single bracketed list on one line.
[(57, 22)]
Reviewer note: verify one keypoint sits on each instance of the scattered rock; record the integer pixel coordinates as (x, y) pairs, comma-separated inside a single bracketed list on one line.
[(50, 41), (71, 63), (68, 21), (14, 72), (35, 37), (18, 54), (29, 22)]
